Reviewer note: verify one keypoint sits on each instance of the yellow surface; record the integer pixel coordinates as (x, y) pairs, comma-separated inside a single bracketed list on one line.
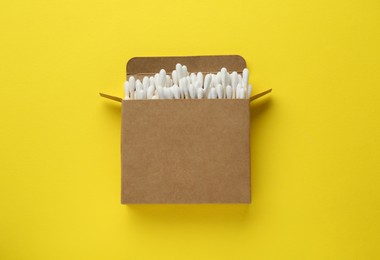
[(315, 141)]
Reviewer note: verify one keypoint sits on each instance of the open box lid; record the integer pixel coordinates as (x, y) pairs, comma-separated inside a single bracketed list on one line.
[(205, 64)]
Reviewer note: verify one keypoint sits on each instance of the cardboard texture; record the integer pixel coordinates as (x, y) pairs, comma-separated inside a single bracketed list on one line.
[(206, 64), (185, 151)]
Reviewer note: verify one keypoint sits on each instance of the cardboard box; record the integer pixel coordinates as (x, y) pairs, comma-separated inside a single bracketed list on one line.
[(185, 151)]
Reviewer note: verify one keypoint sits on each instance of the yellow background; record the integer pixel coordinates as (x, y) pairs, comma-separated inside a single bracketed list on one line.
[(315, 140)]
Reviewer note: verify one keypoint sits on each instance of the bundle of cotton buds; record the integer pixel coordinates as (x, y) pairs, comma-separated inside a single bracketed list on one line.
[(182, 85)]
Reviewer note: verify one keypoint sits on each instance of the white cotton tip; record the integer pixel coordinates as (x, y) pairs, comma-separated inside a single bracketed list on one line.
[(175, 77), (155, 97), (249, 91), (176, 91), (162, 77), (219, 91), (200, 78), (234, 91), (139, 85), (224, 77), (216, 80), (168, 81), (200, 92), (193, 78), (127, 97), (150, 92), (245, 77), (234, 79), (145, 82), (151, 81), (192, 91), (184, 72), (178, 68), (127, 89), (207, 83), (240, 81), (229, 92), (132, 83), (157, 80), (212, 94)]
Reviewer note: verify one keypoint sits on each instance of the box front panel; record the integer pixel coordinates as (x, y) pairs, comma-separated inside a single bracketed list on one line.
[(185, 151)]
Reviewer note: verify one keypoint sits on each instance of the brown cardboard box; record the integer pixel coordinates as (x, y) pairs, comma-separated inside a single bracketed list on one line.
[(185, 151)]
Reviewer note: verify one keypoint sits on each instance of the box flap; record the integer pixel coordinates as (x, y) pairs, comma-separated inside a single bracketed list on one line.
[(204, 64)]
